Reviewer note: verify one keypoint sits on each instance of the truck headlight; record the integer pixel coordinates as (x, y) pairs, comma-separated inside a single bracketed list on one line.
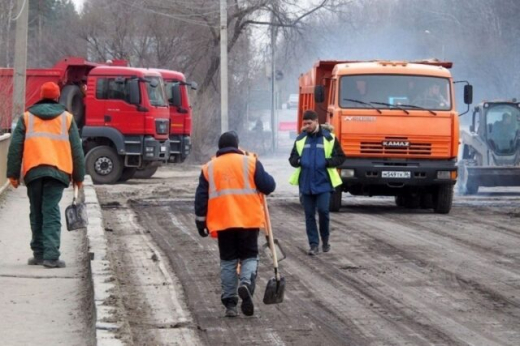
[(347, 173), (443, 174), (149, 149)]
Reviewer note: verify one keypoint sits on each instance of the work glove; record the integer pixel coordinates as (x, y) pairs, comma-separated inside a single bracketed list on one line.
[(202, 228), (14, 182), (79, 184)]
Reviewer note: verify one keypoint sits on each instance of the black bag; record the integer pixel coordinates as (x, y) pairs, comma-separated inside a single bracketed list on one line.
[(76, 214)]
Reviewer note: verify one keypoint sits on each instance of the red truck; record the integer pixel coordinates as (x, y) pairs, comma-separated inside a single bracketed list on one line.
[(180, 118), (121, 112)]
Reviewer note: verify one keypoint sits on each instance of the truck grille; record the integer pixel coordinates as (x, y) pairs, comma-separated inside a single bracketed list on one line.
[(162, 126), (414, 147)]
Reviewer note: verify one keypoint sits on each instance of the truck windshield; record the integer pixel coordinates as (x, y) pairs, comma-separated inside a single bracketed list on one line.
[(392, 91), (502, 126), (155, 89)]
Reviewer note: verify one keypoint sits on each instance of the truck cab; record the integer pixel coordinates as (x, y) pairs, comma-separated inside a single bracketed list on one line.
[(397, 124), (180, 113)]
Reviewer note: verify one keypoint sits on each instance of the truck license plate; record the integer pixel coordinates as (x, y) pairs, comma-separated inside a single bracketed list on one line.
[(163, 149), (396, 174)]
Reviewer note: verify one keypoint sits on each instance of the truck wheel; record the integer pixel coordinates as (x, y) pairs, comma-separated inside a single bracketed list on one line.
[(72, 98), (128, 173), (104, 165), (443, 199), (146, 173), (464, 184), (335, 200)]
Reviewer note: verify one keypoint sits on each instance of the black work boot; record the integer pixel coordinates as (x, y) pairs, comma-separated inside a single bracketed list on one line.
[(314, 250), (54, 264), (35, 261), (326, 246), (231, 311), (247, 307)]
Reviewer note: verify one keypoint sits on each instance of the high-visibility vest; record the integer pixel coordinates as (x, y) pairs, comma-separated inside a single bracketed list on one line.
[(234, 201), (47, 142), (328, 147)]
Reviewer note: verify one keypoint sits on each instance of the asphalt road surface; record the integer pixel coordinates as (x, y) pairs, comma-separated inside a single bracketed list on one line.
[(394, 276)]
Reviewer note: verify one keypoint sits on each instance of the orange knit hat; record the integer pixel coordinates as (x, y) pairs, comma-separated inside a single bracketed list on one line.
[(50, 90)]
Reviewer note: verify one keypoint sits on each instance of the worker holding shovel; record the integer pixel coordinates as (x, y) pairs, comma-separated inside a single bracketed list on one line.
[(229, 206)]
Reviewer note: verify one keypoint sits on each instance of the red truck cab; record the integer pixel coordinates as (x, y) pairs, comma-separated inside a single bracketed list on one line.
[(180, 113)]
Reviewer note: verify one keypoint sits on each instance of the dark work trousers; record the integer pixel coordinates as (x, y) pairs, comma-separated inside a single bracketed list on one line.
[(45, 195), (237, 246), (310, 204)]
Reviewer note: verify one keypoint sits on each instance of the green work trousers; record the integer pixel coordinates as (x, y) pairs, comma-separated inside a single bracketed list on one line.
[(45, 195)]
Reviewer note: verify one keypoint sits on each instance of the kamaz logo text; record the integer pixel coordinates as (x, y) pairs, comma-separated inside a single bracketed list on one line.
[(396, 144), (349, 118)]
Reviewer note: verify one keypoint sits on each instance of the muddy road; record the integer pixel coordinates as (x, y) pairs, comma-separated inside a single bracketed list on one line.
[(393, 277)]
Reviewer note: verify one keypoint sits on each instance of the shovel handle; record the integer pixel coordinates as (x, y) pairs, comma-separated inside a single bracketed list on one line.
[(76, 193), (270, 237)]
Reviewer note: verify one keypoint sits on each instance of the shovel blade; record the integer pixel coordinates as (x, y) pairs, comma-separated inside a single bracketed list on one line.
[(76, 216), (275, 291)]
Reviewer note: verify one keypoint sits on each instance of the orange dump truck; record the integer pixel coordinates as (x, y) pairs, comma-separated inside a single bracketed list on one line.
[(397, 124)]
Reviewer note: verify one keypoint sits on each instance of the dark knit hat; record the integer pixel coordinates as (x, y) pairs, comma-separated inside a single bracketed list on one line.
[(228, 139)]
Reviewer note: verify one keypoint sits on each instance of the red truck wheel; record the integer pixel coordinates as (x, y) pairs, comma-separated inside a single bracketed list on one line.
[(72, 98), (104, 165)]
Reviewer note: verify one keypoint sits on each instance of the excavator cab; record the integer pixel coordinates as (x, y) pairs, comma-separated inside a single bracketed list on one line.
[(491, 148)]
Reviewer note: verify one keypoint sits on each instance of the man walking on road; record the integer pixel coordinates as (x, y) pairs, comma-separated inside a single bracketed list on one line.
[(228, 205), (46, 139), (316, 154)]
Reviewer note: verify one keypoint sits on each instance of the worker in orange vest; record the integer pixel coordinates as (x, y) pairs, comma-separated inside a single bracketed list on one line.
[(228, 205), (47, 140)]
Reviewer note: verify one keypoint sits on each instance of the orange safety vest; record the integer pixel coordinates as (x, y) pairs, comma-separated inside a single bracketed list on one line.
[(234, 201), (47, 142)]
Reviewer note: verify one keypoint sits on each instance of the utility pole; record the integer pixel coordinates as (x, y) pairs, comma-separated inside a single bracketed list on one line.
[(224, 123), (20, 58), (273, 92)]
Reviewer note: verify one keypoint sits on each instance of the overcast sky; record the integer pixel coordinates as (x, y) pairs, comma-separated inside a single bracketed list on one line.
[(78, 4)]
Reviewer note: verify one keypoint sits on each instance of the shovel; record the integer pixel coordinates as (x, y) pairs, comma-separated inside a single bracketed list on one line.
[(274, 292), (76, 213)]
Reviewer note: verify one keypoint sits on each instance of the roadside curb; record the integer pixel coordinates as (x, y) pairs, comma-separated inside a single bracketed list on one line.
[(105, 290), (4, 188)]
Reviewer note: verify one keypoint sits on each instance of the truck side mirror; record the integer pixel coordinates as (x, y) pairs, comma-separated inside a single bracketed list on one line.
[(468, 94), (319, 93), (133, 89), (194, 85), (176, 95)]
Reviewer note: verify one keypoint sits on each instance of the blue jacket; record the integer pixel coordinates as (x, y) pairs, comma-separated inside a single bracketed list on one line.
[(264, 183), (314, 178)]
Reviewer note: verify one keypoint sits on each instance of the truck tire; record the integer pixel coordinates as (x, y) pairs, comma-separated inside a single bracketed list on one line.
[(127, 174), (72, 98), (335, 200), (443, 199), (104, 165), (464, 185), (146, 173)]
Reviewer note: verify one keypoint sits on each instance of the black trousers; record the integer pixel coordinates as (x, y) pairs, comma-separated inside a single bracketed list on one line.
[(238, 243)]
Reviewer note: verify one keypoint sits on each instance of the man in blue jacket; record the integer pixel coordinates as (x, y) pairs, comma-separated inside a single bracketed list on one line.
[(315, 155)]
